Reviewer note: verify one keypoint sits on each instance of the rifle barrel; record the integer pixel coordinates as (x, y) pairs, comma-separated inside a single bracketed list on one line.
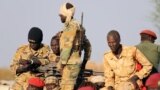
[(98, 73)]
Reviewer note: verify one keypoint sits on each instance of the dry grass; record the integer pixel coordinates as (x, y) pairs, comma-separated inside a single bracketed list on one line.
[(5, 74), (94, 66)]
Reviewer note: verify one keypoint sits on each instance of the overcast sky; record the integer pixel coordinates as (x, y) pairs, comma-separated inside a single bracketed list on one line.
[(129, 17)]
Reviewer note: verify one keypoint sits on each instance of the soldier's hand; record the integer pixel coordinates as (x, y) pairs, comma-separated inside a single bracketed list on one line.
[(133, 80), (35, 61), (22, 69), (24, 62)]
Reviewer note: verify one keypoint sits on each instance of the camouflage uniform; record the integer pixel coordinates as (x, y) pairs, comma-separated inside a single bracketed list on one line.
[(52, 79), (118, 71), (53, 57), (25, 53), (71, 44)]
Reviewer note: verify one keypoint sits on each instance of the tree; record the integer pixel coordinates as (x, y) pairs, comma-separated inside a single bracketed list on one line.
[(156, 13)]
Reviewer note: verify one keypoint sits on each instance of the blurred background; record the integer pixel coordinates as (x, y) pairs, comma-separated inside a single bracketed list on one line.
[(129, 17)]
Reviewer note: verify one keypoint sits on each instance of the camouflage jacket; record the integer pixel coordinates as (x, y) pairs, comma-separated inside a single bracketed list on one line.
[(25, 53), (72, 41)]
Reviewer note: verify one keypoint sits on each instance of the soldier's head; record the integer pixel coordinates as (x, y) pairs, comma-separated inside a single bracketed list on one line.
[(113, 39), (35, 83), (35, 37), (148, 35), (66, 12), (153, 82), (55, 45)]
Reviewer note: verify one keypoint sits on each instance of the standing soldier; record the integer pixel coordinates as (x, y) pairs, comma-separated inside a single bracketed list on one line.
[(72, 42), (120, 65), (28, 57)]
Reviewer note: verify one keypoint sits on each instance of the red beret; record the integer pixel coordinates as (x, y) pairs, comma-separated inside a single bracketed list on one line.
[(86, 88), (149, 32), (153, 80), (35, 81)]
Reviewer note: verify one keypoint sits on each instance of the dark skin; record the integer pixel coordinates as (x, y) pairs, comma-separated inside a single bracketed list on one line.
[(116, 48), (146, 37), (35, 46), (152, 39), (63, 18), (55, 46)]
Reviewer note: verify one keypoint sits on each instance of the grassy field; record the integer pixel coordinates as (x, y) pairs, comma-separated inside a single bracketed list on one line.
[(5, 74)]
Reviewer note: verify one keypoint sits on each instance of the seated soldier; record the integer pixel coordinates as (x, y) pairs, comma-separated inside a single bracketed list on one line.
[(28, 58), (35, 83), (51, 81), (120, 65)]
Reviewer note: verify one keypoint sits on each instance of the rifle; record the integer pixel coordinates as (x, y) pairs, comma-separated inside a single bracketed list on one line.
[(49, 70), (82, 77), (90, 72)]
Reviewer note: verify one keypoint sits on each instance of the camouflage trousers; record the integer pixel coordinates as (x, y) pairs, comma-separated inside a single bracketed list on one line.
[(21, 81), (52, 81), (69, 76)]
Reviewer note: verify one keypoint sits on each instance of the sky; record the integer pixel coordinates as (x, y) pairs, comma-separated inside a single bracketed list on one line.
[(128, 17)]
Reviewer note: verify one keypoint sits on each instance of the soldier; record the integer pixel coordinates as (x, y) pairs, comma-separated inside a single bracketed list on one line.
[(120, 65), (72, 42), (149, 49), (52, 82), (28, 57), (55, 53)]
